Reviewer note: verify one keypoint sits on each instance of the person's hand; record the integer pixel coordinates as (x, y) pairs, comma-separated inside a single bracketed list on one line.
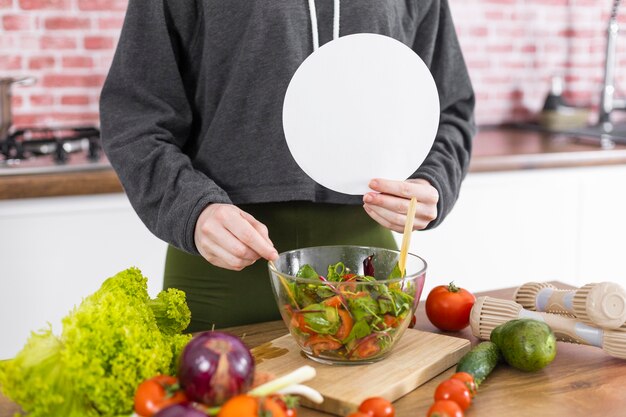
[(389, 204), (230, 238)]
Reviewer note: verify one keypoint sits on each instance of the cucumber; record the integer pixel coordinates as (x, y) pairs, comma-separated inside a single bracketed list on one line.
[(480, 361)]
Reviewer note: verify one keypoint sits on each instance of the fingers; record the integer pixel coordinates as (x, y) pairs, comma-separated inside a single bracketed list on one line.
[(390, 203), (230, 253), (243, 230), (393, 220), (260, 227), (420, 189), (229, 238)]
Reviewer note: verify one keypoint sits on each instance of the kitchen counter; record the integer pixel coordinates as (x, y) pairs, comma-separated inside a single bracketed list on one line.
[(512, 149), (582, 381), (495, 149)]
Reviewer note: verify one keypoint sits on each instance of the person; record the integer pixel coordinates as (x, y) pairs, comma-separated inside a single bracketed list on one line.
[(191, 120)]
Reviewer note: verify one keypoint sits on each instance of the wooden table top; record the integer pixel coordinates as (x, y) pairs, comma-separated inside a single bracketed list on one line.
[(494, 149), (582, 381)]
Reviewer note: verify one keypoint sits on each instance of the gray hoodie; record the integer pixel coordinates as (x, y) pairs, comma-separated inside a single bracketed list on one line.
[(191, 111)]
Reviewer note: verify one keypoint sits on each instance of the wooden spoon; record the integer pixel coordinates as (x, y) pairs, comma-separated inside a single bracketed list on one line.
[(406, 237), (285, 285)]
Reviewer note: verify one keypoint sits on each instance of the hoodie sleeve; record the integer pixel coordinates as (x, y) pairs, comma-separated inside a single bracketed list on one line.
[(447, 163), (146, 120)]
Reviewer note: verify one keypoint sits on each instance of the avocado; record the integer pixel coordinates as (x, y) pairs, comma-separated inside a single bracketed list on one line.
[(526, 344)]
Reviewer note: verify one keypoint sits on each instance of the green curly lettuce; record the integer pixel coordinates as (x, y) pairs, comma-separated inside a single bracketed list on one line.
[(116, 338)]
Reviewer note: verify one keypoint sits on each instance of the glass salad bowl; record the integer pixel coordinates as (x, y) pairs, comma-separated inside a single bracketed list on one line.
[(346, 304)]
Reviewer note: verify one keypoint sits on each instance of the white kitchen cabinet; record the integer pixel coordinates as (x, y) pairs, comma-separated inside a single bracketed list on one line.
[(55, 251), (512, 227)]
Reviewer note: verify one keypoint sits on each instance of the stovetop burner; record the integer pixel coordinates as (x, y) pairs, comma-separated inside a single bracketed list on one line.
[(48, 149)]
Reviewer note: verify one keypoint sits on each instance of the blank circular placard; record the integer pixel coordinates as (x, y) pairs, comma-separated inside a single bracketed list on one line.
[(362, 106)]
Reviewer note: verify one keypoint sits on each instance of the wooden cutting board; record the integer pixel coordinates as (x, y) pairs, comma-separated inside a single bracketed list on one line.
[(418, 357)]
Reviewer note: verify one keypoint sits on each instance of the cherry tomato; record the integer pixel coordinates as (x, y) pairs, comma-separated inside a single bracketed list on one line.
[(368, 348), (333, 301), (448, 307), (319, 343), (289, 411), (377, 407), (249, 406), (346, 324), (413, 321), (297, 321), (358, 414), (157, 393), (468, 379), (454, 390), (445, 408)]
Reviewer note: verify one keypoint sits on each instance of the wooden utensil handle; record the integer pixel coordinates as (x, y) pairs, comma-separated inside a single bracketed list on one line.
[(567, 329)]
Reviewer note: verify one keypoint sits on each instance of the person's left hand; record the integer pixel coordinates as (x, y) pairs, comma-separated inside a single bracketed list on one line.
[(389, 204)]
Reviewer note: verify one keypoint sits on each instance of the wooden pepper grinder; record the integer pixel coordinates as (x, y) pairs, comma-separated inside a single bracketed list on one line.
[(600, 304)]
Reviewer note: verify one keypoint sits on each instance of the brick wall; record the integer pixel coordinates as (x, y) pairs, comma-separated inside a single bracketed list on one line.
[(512, 48)]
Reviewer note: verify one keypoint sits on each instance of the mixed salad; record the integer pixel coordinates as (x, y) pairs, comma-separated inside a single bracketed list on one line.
[(346, 316)]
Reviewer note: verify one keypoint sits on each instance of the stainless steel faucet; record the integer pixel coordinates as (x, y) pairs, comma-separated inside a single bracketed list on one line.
[(608, 102)]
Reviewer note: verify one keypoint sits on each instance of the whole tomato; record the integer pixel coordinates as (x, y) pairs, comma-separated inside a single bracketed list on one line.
[(445, 408), (468, 379), (454, 390), (249, 406), (157, 393), (289, 407), (377, 407), (448, 307)]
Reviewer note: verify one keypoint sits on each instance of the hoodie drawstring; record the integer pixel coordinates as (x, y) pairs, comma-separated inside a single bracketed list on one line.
[(314, 29)]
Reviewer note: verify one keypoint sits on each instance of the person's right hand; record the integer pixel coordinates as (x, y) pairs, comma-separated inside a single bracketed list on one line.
[(230, 238)]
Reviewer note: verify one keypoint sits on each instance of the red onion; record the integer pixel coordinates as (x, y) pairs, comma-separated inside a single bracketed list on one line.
[(214, 367), (178, 410)]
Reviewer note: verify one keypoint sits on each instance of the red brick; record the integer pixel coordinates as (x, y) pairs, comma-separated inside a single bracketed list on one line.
[(577, 33), (529, 49), (21, 120), (478, 31), (77, 100), (103, 5), (509, 65), (77, 62), (40, 62), (64, 23), (76, 117), (8, 41), (105, 61), (478, 63), (510, 32), (58, 42), (10, 62), (27, 41), (499, 49), (17, 101), (111, 22), (98, 42), (47, 118), (494, 15), (38, 100), (6, 4), (45, 4), (17, 22), (67, 80)]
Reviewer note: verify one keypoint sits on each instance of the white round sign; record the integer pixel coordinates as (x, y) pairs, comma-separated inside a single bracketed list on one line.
[(362, 106)]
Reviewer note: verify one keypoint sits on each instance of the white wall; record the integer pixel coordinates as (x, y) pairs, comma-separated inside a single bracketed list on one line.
[(507, 229), (55, 251)]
